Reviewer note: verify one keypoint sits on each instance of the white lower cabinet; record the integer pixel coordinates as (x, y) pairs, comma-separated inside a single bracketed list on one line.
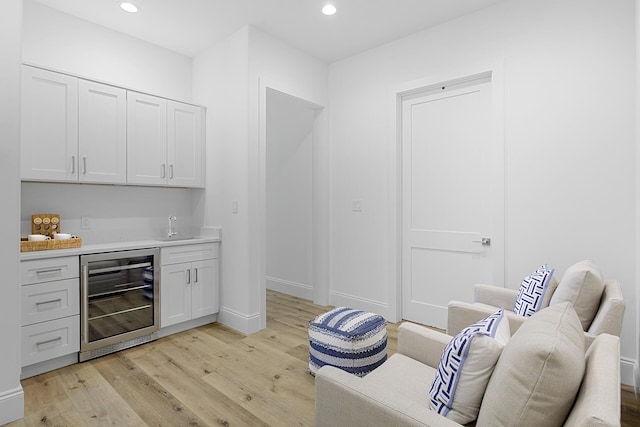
[(51, 339), (50, 299), (189, 283)]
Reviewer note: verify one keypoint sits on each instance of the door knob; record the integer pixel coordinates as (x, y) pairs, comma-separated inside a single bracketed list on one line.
[(485, 241)]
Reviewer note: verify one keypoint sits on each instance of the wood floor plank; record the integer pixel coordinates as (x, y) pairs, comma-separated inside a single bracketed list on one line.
[(207, 376), (273, 399), (143, 393), (211, 405), (95, 399), (51, 405)]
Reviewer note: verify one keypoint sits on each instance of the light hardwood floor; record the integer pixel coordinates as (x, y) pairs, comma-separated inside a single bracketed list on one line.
[(209, 376)]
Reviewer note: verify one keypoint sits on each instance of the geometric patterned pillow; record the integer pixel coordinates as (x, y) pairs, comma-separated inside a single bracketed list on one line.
[(532, 290), (465, 367)]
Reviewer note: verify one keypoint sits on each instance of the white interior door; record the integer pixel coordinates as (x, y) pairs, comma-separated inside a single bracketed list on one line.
[(449, 192)]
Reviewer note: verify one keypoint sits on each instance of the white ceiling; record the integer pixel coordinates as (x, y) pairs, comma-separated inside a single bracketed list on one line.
[(191, 26)]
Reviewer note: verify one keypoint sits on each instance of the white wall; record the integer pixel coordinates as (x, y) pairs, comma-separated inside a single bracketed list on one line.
[(11, 394), (569, 103), (227, 79), (220, 82), (115, 213), (637, 212), (275, 65), (63, 42), (289, 194)]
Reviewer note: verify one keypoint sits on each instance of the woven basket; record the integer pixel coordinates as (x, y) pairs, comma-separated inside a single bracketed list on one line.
[(46, 245)]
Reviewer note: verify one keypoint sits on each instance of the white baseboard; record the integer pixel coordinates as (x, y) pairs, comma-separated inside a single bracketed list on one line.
[(11, 405), (181, 327), (636, 385), (629, 372), (48, 365), (245, 323), (288, 287), (338, 299)]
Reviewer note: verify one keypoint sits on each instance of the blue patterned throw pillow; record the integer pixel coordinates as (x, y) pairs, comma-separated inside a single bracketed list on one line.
[(532, 291), (465, 367)]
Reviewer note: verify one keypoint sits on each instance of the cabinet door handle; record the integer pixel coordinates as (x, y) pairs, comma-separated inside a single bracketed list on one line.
[(170, 171), (84, 300), (195, 270), (84, 165), (48, 341), (73, 165), (188, 276), (163, 171), (51, 301)]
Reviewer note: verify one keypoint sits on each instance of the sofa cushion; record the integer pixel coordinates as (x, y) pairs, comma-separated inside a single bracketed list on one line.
[(532, 291), (409, 380), (538, 375), (465, 367), (582, 286)]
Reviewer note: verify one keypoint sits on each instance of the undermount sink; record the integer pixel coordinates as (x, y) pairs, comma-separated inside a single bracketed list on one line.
[(177, 238)]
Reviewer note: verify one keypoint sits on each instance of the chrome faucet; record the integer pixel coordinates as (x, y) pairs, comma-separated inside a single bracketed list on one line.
[(172, 233)]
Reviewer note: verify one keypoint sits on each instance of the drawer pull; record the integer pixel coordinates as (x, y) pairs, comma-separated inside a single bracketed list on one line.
[(50, 271), (49, 302), (49, 341)]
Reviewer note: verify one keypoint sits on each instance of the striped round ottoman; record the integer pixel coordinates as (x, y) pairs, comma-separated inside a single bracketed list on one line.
[(352, 340)]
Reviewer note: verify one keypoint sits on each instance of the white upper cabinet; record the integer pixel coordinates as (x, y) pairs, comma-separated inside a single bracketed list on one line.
[(185, 144), (76, 130), (165, 142), (49, 120), (102, 133), (146, 139)]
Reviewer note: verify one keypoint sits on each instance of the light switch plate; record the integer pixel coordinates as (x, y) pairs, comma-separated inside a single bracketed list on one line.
[(85, 223)]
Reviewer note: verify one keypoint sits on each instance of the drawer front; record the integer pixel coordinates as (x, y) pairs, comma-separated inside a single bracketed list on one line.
[(46, 270), (49, 301), (188, 253), (48, 340)]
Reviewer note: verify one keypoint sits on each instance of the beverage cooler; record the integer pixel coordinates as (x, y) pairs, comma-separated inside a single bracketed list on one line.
[(119, 301)]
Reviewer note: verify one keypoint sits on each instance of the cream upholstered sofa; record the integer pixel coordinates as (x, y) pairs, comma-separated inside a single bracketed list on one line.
[(543, 377), (601, 311)]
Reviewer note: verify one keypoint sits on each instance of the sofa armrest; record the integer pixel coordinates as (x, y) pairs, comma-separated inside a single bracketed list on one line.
[(462, 314), (342, 399), (608, 319), (598, 400), (421, 343), (495, 296)]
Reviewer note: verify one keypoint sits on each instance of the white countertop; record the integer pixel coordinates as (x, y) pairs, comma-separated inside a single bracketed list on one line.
[(117, 246)]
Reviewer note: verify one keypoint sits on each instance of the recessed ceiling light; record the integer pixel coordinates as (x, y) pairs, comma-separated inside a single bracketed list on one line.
[(329, 9), (128, 7)]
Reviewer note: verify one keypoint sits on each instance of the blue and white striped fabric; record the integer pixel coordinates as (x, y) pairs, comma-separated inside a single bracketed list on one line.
[(532, 290), (352, 340)]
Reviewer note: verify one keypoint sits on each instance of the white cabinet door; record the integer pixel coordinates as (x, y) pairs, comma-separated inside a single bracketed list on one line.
[(175, 294), (185, 144), (102, 133), (204, 289), (49, 123), (146, 139)]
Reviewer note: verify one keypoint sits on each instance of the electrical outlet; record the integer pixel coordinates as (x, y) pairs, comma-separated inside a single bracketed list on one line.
[(85, 224), (356, 205)]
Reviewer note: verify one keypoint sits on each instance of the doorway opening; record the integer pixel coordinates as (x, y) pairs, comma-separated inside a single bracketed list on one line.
[(295, 197), (289, 189)]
